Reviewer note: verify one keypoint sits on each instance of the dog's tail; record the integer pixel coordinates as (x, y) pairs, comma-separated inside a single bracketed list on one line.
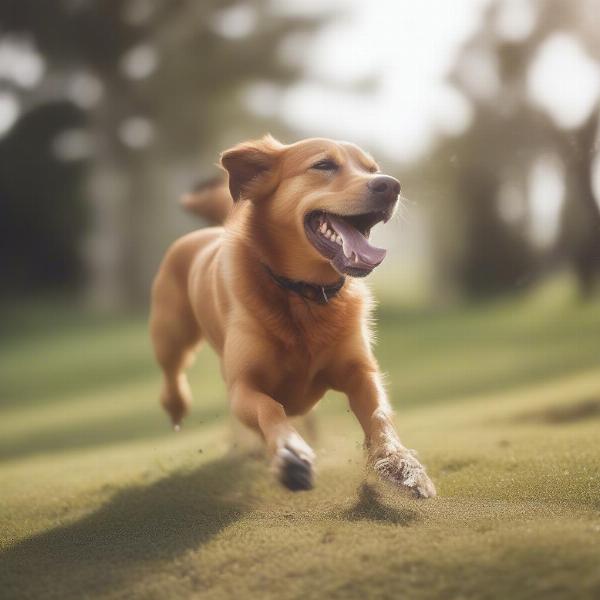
[(210, 200)]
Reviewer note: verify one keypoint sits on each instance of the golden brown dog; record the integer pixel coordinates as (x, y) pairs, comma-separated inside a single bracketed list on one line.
[(276, 293)]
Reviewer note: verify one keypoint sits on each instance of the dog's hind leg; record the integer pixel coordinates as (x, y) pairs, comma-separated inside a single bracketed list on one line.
[(175, 335)]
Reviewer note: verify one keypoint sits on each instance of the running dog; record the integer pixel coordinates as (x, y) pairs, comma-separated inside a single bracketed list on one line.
[(277, 292)]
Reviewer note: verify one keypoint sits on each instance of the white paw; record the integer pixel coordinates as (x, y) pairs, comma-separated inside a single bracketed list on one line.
[(401, 467), (293, 462)]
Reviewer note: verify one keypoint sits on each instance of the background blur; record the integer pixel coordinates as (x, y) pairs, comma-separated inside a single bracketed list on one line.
[(486, 110)]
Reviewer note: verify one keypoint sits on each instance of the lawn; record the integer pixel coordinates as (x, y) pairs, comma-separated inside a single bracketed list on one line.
[(100, 499)]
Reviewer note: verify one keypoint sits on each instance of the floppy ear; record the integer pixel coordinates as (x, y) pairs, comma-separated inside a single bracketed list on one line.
[(251, 167)]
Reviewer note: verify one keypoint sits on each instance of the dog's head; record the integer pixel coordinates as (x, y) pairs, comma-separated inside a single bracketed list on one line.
[(318, 198)]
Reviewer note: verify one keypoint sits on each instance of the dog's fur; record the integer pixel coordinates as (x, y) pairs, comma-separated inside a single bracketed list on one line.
[(279, 351)]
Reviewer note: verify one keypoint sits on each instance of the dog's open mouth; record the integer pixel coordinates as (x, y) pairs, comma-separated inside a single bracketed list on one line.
[(344, 240)]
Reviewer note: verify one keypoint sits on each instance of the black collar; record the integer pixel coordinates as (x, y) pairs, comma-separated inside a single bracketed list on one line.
[(321, 294)]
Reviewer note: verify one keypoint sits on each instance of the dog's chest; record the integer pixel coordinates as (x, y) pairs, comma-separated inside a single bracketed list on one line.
[(302, 380), (309, 351)]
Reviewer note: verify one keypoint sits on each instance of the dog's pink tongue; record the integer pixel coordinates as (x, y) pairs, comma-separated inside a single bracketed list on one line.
[(354, 241)]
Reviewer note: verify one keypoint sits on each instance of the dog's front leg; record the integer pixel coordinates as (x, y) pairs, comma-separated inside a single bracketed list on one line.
[(386, 454), (292, 458)]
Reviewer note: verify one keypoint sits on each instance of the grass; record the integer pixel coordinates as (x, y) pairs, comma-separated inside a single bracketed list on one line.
[(99, 499)]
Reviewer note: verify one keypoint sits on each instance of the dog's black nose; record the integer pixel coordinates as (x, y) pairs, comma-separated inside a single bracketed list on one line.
[(384, 186)]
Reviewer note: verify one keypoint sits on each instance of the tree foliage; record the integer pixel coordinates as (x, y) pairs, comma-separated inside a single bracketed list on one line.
[(154, 86), (479, 249)]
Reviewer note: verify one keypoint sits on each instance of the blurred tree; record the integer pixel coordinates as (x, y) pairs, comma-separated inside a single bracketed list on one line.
[(39, 238), (159, 86), (483, 225), (579, 238)]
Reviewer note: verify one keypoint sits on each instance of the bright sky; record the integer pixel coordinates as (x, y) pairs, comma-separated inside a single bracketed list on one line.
[(399, 50), (406, 48), (564, 80)]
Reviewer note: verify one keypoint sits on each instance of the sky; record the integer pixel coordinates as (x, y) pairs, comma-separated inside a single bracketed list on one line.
[(376, 74), (405, 49)]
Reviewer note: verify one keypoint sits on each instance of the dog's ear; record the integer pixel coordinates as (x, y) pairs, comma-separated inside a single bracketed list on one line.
[(251, 167)]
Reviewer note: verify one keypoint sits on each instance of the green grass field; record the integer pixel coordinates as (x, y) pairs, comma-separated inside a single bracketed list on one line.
[(100, 499)]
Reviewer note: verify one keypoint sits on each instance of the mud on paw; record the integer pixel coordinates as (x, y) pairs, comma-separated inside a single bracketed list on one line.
[(402, 469)]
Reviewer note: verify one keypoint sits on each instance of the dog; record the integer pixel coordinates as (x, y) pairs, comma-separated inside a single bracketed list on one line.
[(277, 293)]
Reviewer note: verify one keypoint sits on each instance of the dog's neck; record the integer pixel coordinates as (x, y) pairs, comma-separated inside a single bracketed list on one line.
[(315, 292), (288, 316), (252, 251), (281, 256)]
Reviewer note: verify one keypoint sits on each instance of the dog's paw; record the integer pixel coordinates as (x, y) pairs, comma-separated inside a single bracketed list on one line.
[(402, 468), (293, 465), (295, 473)]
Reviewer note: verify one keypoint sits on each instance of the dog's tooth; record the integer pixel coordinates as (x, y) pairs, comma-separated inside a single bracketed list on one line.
[(356, 258), (346, 248), (323, 227), (328, 234), (339, 239)]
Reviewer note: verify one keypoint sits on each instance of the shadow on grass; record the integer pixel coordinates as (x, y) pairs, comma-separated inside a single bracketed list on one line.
[(370, 507), (132, 533), (135, 425), (587, 408)]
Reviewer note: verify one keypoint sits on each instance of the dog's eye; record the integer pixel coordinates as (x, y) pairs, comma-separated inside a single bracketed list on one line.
[(325, 165)]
